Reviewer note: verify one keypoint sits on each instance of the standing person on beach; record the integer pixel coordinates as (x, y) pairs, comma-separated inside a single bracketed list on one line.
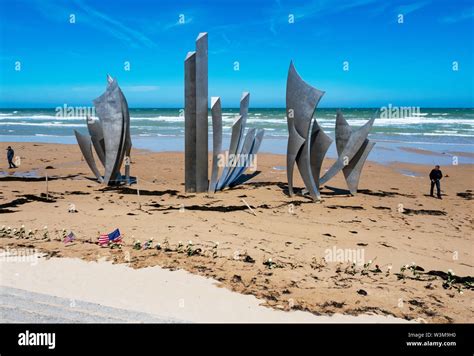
[(435, 177), (10, 155)]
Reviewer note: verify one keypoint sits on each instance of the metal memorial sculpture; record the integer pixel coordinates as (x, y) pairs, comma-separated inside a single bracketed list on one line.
[(308, 143), (352, 150), (242, 150), (109, 135), (304, 141), (195, 118), (196, 130)]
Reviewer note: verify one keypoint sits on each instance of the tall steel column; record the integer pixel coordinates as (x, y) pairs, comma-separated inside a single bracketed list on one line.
[(202, 183), (190, 122)]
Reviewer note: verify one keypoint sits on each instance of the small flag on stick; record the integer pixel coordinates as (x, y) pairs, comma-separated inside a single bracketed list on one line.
[(69, 238), (113, 237)]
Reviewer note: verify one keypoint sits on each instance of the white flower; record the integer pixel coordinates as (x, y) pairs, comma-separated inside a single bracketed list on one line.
[(22, 226), (9, 228), (450, 271), (45, 227), (406, 266), (217, 243), (461, 292), (269, 260), (190, 242), (158, 244), (14, 230), (370, 262), (389, 267)]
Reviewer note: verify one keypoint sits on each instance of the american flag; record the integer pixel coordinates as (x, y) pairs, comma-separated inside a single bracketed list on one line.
[(103, 240), (115, 236), (69, 238)]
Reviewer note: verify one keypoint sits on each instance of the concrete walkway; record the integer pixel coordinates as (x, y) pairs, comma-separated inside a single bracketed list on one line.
[(21, 306)]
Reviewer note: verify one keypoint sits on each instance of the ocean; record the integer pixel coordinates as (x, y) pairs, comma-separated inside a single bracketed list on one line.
[(448, 132)]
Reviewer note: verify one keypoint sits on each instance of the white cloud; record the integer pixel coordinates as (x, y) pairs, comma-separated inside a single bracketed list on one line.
[(87, 15), (466, 14)]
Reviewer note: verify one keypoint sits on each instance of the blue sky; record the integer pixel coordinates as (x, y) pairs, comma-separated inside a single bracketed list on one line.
[(407, 64)]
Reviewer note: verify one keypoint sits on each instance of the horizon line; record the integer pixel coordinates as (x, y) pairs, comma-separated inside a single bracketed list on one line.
[(250, 108)]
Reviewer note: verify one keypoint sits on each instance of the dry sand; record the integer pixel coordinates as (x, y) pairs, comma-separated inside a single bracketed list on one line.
[(391, 222)]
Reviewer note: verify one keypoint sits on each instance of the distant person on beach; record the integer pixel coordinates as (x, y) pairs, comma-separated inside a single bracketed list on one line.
[(435, 177), (10, 155)]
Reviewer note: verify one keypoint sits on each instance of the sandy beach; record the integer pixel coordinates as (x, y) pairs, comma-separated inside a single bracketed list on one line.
[(290, 253), (100, 291)]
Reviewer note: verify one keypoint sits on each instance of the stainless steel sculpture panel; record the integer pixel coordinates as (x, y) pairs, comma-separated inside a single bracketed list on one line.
[(236, 139), (320, 143), (252, 155), (353, 170), (216, 111), (352, 164), (109, 110), (196, 119), (85, 145), (353, 145), (110, 135), (190, 122), (201, 114), (97, 136), (308, 150), (242, 147), (301, 102), (241, 159)]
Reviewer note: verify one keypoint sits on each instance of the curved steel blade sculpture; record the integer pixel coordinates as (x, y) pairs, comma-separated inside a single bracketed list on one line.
[(301, 102), (242, 148), (320, 143), (350, 146), (241, 159), (257, 141), (110, 135), (97, 136), (236, 139), (352, 149), (308, 150), (216, 111), (85, 145), (109, 110)]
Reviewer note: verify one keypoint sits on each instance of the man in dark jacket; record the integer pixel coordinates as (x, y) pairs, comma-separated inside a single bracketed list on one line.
[(10, 155), (435, 177)]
